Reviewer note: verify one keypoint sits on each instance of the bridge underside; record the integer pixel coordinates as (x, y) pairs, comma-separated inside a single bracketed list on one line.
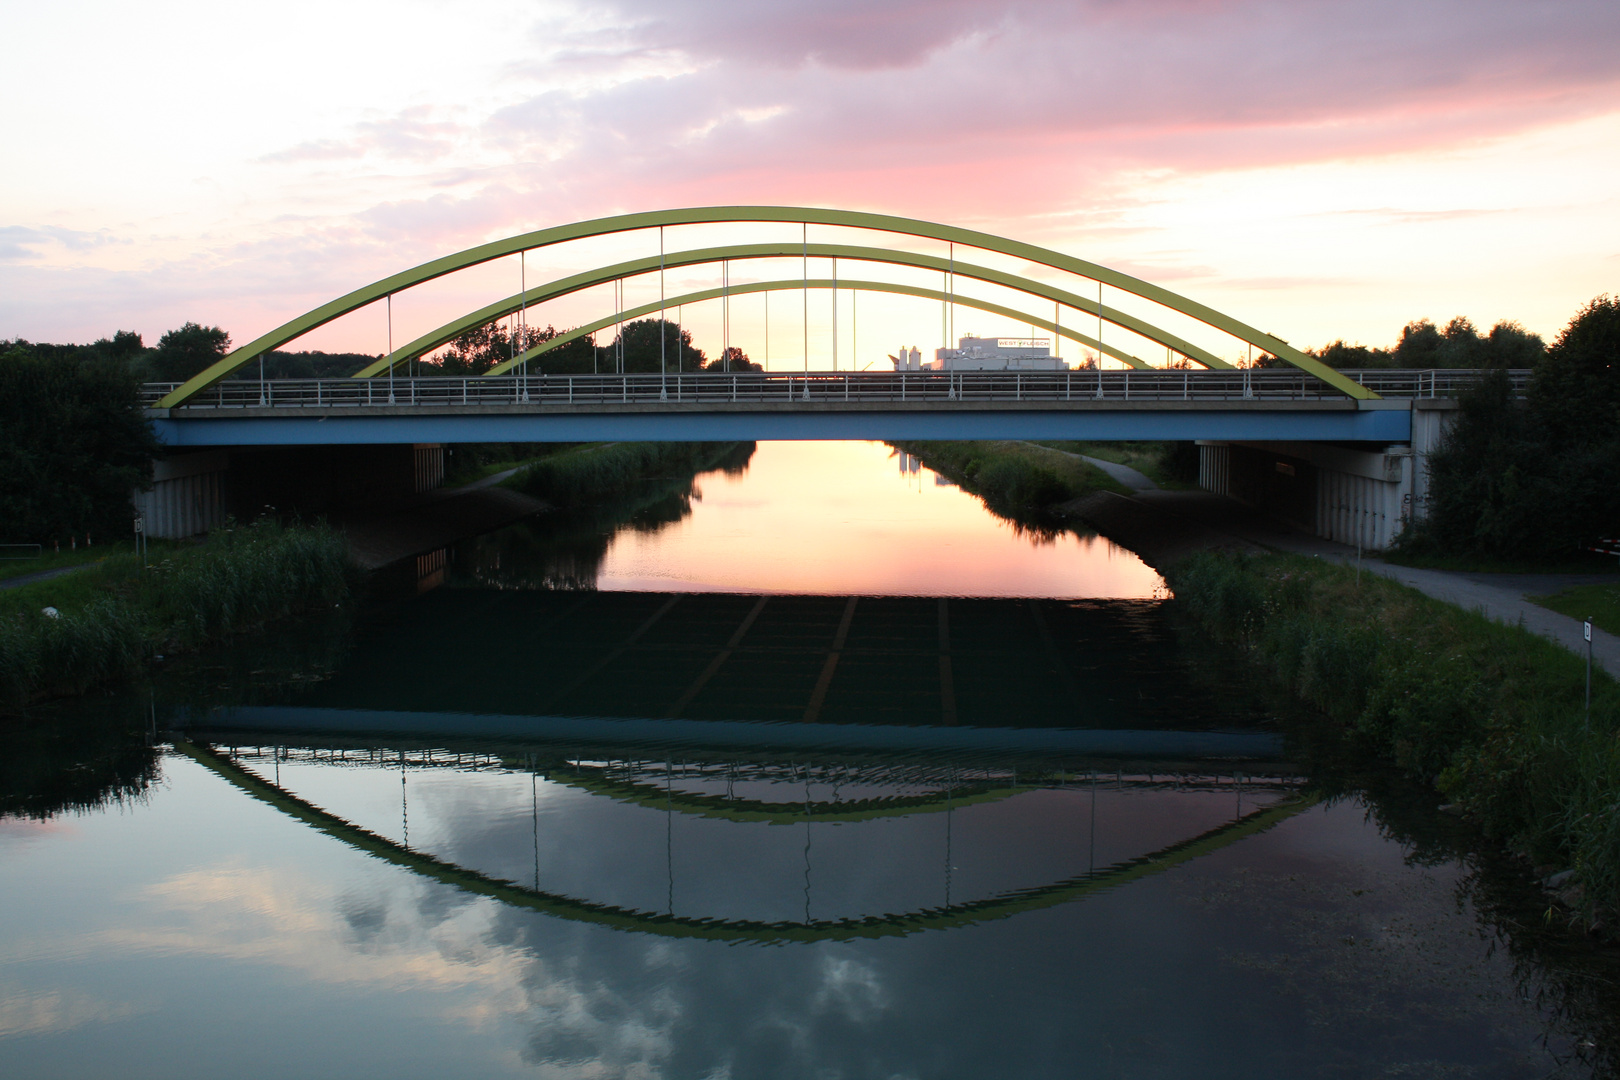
[(1375, 422)]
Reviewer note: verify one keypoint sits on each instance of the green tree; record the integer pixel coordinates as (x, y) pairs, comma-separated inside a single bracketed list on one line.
[(652, 345), (1341, 354), (733, 359), (184, 352), (74, 443), (1534, 478)]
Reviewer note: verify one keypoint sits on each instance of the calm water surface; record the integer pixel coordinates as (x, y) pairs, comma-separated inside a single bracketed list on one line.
[(812, 768)]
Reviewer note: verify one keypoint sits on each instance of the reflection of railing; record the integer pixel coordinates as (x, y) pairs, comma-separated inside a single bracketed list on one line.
[(825, 387), (619, 918), (951, 788), (668, 784)]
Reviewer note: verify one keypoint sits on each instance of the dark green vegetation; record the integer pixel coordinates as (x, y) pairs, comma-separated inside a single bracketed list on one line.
[(466, 462), (1600, 603), (113, 616), (1172, 465), (1535, 479), (58, 560), (1458, 345), (1016, 480), (646, 345), (182, 353), (1491, 715), (586, 475), (73, 442)]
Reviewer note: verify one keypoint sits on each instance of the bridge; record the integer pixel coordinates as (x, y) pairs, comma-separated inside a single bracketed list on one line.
[(1291, 404), (1255, 404)]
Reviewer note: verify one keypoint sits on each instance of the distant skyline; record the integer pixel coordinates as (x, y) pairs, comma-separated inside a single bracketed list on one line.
[(1320, 170)]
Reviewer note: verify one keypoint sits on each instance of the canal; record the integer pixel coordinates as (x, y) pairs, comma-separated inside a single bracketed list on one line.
[(807, 767)]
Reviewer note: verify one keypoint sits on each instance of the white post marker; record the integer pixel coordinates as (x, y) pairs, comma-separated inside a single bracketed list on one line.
[(1586, 631)]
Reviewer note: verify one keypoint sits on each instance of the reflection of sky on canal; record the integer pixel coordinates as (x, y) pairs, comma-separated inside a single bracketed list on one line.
[(286, 953), (840, 518)]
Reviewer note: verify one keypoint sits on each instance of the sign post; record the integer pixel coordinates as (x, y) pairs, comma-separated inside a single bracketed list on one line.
[(140, 538), (1586, 630)]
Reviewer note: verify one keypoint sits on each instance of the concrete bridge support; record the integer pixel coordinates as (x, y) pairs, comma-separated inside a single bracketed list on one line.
[(194, 492), (1352, 493)]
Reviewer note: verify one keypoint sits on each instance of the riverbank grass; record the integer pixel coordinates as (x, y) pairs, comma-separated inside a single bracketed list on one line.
[(110, 617), (586, 474), (1600, 603), (1147, 458), (1491, 715)]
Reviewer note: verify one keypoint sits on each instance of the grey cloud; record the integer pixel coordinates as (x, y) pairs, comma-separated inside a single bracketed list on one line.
[(22, 242)]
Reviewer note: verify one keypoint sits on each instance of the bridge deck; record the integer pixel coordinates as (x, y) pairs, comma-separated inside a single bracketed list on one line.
[(1255, 404)]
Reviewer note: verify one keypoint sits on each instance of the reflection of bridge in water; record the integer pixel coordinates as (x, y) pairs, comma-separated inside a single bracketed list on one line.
[(632, 781), (871, 722)]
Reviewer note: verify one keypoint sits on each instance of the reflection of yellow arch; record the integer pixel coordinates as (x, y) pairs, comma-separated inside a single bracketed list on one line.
[(564, 286), (795, 284), (783, 214), (618, 918), (640, 793)]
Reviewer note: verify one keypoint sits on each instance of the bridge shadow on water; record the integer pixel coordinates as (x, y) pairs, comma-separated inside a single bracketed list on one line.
[(780, 659)]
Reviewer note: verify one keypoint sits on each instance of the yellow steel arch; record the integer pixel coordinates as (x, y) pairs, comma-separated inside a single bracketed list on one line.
[(577, 282), (786, 214), (795, 284)]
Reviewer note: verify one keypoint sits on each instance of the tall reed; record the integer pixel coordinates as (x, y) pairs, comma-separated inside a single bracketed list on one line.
[(116, 614), (1492, 715)]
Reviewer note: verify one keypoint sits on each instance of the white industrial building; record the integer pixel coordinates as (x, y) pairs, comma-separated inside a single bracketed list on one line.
[(985, 354)]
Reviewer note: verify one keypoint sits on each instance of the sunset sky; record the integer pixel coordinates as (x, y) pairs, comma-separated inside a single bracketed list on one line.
[(1317, 169)]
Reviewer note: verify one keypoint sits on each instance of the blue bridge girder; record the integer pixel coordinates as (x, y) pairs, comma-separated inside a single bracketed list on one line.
[(1246, 405)]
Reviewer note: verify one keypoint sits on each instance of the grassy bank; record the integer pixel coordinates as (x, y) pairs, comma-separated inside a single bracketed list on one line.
[(1157, 461), (1015, 479), (588, 474), (112, 616), (1490, 715), (1600, 603)]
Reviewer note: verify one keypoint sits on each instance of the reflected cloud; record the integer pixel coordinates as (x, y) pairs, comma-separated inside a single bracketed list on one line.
[(50, 1012)]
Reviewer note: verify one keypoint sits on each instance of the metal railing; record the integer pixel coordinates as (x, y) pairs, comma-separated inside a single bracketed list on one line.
[(919, 387)]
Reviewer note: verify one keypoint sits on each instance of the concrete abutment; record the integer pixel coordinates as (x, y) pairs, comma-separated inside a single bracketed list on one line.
[(194, 492), (1357, 494)]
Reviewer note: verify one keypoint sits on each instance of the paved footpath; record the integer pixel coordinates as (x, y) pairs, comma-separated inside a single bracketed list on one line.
[(40, 575), (1498, 596)]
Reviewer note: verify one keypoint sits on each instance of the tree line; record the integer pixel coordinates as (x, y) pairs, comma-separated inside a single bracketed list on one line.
[(1459, 344), (645, 346), (1537, 478)]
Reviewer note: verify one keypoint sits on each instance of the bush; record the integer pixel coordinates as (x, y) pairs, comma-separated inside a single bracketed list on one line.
[(1490, 715)]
